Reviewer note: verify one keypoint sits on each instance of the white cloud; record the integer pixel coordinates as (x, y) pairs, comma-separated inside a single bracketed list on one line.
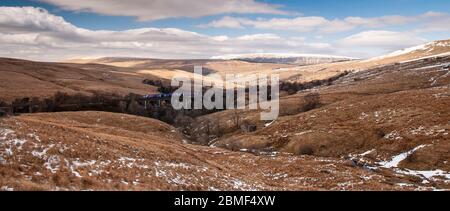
[(33, 33), (380, 21), (385, 40), (303, 24), (30, 19), (298, 24), (221, 38), (225, 22), (259, 37), (147, 10), (18, 38), (429, 20), (437, 22)]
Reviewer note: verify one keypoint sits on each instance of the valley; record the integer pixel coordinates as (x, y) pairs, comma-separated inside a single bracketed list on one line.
[(384, 125)]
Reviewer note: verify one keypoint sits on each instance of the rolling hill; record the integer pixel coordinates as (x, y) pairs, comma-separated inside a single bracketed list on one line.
[(22, 78)]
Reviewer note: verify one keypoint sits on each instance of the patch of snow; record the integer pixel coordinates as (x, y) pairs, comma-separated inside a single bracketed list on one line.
[(213, 189), (376, 114), (405, 185), (9, 152), (368, 177), (280, 176), (346, 185), (241, 185), (268, 124), (42, 154), (74, 165), (443, 44), (417, 131), (178, 165), (426, 174), (367, 153), (363, 116), (432, 131), (18, 143), (34, 136), (393, 163), (394, 135), (74, 172), (132, 162), (9, 142), (178, 180), (304, 132), (4, 133), (160, 173), (6, 188), (53, 163)]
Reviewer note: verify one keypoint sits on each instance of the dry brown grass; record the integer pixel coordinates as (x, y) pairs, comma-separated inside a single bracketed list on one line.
[(36, 79), (122, 152)]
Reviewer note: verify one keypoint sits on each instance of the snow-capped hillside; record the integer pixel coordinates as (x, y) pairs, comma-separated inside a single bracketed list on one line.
[(436, 48), (299, 59)]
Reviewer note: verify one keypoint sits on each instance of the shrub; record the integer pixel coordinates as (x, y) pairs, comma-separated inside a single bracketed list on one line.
[(312, 101), (135, 109), (294, 87), (380, 133), (306, 149), (60, 179)]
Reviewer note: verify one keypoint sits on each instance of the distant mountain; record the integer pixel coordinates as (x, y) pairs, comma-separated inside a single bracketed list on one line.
[(297, 59)]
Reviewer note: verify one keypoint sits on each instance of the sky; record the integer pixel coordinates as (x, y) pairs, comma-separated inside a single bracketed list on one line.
[(57, 30)]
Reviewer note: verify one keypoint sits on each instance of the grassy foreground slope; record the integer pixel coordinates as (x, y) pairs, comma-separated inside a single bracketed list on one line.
[(105, 151)]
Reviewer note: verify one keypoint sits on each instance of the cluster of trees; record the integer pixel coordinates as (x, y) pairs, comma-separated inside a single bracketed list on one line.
[(156, 83), (63, 102), (164, 88), (130, 104), (294, 87), (4, 109)]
